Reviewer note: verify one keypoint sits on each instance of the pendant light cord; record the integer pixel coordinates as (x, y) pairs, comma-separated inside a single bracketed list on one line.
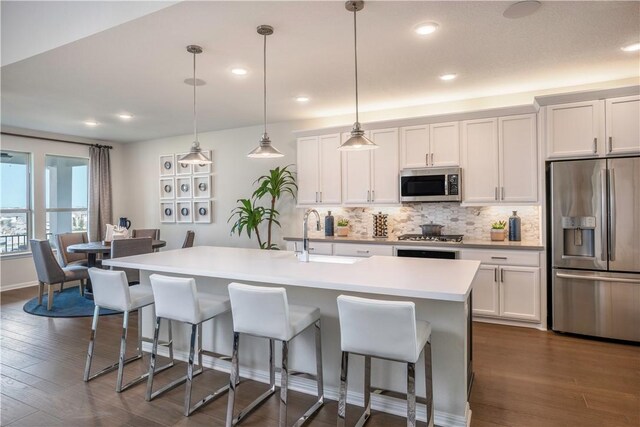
[(265, 82), (355, 50), (195, 121)]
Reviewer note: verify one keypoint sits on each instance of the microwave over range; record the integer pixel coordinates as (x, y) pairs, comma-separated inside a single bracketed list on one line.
[(431, 185)]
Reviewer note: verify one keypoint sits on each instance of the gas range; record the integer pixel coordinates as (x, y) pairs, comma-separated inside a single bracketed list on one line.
[(423, 238)]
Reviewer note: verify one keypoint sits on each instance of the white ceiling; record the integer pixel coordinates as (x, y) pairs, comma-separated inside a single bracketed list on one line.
[(139, 66)]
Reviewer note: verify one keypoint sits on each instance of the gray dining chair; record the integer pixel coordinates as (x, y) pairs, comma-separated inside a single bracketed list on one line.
[(67, 239), (128, 247), (154, 233), (188, 240), (51, 273)]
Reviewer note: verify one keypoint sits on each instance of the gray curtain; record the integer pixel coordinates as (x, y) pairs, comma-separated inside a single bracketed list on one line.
[(99, 192)]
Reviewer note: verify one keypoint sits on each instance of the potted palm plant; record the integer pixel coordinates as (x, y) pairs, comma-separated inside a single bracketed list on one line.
[(249, 216)]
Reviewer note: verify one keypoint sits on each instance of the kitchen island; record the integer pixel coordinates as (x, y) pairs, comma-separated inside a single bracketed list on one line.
[(441, 290)]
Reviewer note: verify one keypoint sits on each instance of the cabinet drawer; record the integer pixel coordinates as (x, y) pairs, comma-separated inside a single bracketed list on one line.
[(528, 258), (350, 249), (318, 248)]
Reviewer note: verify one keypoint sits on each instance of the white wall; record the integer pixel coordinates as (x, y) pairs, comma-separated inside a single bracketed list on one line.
[(16, 271), (233, 177)]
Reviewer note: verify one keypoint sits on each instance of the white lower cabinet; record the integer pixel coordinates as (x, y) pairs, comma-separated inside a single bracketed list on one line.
[(317, 248), (505, 291), (359, 250)]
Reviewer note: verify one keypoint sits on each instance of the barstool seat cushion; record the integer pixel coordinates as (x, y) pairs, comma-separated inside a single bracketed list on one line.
[(384, 329), (211, 306), (301, 316), (140, 296)]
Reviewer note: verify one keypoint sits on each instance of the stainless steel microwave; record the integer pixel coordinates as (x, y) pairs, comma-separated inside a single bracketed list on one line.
[(431, 185)]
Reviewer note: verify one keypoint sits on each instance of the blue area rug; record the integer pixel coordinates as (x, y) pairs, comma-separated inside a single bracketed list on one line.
[(69, 303)]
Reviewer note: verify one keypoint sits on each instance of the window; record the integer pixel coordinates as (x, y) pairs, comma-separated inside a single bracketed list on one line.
[(66, 183), (15, 201)]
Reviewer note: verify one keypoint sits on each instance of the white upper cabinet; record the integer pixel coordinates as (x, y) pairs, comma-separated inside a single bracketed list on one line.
[(480, 160), (319, 170), (500, 160), (430, 145), (575, 130), (623, 125), (518, 158), (445, 144), (371, 176)]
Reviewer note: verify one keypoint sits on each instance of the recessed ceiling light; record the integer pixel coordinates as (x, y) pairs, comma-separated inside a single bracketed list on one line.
[(125, 116), (521, 9), (239, 71), (91, 123), (448, 76), (426, 28), (632, 47), (302, 99)]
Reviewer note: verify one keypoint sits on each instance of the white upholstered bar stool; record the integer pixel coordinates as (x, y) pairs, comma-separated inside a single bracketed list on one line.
[(385, 330), (265, 312), (111, 290), (177, 298)]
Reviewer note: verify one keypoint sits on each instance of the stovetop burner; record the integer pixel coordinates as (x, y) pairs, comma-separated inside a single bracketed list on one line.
[(441, 238)]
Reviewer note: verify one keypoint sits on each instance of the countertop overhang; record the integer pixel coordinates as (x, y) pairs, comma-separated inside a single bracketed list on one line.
[(468, 244), (435, 279)]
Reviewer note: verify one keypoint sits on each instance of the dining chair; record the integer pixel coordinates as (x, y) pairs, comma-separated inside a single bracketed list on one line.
[(65, 240), (188, 240), (49, 271), (154, 233), (128, 247)]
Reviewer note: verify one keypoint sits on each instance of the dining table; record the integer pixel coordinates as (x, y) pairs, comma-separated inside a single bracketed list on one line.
[(92, 249)]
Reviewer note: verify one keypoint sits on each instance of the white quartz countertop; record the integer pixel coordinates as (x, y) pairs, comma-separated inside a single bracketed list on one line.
[(436, 279), (466, 243)]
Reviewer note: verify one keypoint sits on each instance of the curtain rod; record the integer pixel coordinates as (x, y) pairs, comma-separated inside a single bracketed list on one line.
[(57, 140)]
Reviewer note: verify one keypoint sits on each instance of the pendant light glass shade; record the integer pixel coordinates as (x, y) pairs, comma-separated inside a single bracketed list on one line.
[(195, 155), (265, 150), (357, 141)]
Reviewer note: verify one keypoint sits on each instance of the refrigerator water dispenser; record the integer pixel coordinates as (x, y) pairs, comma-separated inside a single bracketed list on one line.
[(579, 236)]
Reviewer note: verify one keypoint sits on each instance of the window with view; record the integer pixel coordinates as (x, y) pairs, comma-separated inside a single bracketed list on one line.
[(66, 181), (15, 201)]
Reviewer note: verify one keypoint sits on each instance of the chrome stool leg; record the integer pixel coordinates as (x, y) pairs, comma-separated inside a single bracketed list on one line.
[(233, 380), (318, 377), (284, 384), (187, 393), (342, 400), (411, 395), (123, 349), (428, 383), (92, 340)]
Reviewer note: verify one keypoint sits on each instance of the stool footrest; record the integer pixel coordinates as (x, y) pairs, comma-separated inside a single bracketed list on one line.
[(253, 405), (213, 396), (113, 367), (144, 377), (312, 410), (172, 384)]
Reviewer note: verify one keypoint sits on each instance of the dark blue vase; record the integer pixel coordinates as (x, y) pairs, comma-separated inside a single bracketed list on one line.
[(328, 225), (514, 227)]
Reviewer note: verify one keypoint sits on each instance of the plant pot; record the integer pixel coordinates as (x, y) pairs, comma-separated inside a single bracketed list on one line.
[(498, 235), (342, 231)]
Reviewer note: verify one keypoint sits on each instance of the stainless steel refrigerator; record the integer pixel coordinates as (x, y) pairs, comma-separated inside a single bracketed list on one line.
[(595, 235)]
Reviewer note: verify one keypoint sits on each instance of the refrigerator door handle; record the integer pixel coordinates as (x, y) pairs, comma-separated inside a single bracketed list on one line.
[(596, 278), (612, 215), (603, 215)]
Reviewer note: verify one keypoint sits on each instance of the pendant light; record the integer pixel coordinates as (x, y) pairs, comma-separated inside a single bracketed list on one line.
[(357, 141), (195, 155), (265, 150)]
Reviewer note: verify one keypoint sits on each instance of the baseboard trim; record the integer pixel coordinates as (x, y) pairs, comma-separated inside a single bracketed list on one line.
[(380, 403), (18, 286), (507, 322)]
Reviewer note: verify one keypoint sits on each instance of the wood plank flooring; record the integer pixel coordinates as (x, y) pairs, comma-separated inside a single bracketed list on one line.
[(523, 377)]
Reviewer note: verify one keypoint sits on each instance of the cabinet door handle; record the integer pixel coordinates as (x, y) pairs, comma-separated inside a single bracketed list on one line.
[(495, 275), (502, 275), (498, 257), (595, 145), (495, 193), (426, 159), (610, 144), (431, 159), (502, 188), (362, 252), (321, 197), (368, 195), (373, 195)]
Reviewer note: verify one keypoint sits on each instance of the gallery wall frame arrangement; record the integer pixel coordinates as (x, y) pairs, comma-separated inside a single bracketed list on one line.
[(185, 190)]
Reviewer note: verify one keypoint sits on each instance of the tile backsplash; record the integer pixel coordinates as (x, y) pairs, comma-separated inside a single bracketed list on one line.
[(473, 222)]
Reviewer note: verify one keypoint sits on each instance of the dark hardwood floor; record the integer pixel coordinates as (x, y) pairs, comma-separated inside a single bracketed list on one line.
[(523, 377)]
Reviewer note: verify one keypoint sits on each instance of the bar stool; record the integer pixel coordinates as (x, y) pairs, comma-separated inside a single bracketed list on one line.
[(385, 330), (177, 299), (265, 312), (111, 290)]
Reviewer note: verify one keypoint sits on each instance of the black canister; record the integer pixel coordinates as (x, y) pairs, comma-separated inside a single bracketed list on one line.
[(328, 225), (514, 227)]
